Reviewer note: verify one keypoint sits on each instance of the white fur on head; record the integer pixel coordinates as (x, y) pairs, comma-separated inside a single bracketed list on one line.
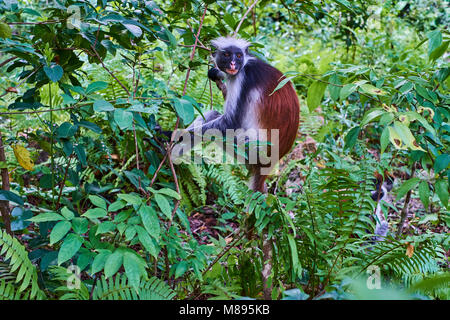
[(225, 42)]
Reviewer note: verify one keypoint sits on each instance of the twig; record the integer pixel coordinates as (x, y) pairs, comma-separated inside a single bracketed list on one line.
[(405, 205), (63, 181), (36, 23), (243, 18), (109, 71), (4, 204), (193, 49), (8, 60)]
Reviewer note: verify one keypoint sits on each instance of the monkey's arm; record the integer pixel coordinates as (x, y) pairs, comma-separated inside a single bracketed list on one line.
[(217, 76)]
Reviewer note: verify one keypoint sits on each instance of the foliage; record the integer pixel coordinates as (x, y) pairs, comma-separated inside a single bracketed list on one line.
[(99, 211)]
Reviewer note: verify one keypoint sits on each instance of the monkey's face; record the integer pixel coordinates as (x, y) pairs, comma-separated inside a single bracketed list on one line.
[(230, 60)]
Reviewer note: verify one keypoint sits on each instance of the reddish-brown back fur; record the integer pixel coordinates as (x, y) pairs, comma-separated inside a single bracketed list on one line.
[(281, 111)]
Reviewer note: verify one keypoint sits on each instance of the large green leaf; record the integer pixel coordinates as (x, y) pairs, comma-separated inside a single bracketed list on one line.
[(103, 106), (59, 231), (10, 196), (113, 263), (54, 72), (100, 260), (442, 161), (315, 94), (442, 191), (150, 221), (184, 109), (46, 217), (70, 246), (146, 241), (124, 119), (134, 268), (406, 186), (164, 205)]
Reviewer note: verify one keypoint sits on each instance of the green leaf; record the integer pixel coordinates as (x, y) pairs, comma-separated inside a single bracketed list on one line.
[(282, 83), (334, 88), (124, 119), (164, 205), (95, 213), (47, 216), (406, 136), (395, 139), (370, 89), (130, 198), (229, 19), (96, 86), (181, 269), (66, 130), (384, 139), (135, 30), (113, 263), (99, 261), (146, 241), (184, 109), (438, 52), (372, 115), (406, 186), (59, 231), (351, 137), (97, 201), (81, 154), (168, 192), (442, 191), (10, 196), (54, 72), (347, 90), (116, 206), (294, 254), (424, 193), (104, 227), (80, 225), (434, 41), (72, 243), (103, 106), (423, 92), (134, 268), (442, 161), (150, 221), (315, 94), (5, 31)]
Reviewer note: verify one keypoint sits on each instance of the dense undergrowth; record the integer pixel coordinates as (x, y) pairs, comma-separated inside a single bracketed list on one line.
[(93, 209)]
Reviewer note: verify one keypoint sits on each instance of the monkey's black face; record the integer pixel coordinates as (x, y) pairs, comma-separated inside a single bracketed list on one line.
[(230, 60)]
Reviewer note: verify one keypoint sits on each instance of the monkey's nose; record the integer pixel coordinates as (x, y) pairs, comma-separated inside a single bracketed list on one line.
[(233, 65)]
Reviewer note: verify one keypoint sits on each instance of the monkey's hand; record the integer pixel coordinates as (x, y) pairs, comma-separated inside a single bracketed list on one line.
[(216, 75)]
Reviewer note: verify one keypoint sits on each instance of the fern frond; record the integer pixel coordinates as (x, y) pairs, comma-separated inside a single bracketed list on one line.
[(15, 255), (118, 288)]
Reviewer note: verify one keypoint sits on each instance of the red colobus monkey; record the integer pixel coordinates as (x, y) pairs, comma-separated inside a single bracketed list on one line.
[(250, 102)]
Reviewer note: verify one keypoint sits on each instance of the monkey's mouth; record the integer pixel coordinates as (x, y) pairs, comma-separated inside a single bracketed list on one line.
[(232, 71)]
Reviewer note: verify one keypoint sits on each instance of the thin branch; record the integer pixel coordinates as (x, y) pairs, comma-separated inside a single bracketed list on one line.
[(63, 181), (4, 204), (8, 60), (243, 17), (405, 205), (36, 23), (109, 71)]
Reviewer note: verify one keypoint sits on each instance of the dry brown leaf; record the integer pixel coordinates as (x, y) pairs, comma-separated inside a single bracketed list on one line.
[(23, 157), (410, 250)]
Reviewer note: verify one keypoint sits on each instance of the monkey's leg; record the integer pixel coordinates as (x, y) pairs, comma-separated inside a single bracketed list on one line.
[(257, 183)]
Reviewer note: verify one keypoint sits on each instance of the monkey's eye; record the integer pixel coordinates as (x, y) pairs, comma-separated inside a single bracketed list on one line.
[(226, 54), (239, 55)]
